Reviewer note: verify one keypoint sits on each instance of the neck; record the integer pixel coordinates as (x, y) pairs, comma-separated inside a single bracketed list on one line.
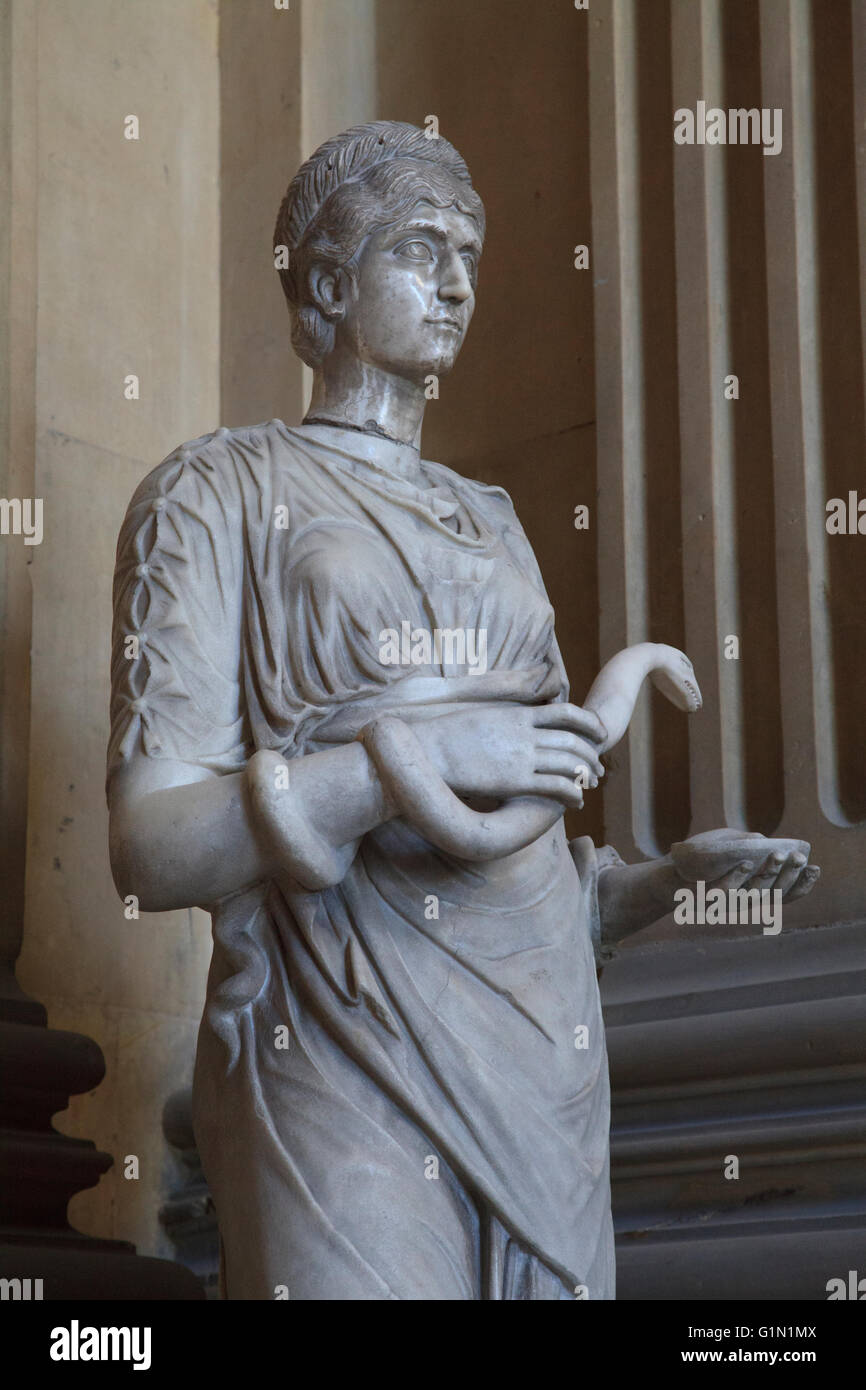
[(352, 393)]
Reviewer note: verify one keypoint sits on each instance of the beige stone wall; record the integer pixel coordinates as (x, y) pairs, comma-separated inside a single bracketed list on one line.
[(260, 148), (128, 282), (288, 80), (508, 83), (17, 453)]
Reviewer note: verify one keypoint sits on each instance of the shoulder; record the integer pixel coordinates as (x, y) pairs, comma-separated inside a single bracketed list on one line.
[(199, 503), (216, 465), (489, 494)]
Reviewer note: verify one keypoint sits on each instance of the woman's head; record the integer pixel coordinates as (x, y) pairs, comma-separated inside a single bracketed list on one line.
[(384, 231)]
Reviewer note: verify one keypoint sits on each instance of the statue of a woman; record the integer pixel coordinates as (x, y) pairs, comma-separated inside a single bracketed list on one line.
[(343, 727)]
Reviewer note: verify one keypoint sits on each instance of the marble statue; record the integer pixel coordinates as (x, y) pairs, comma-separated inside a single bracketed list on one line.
[(401, 1085)]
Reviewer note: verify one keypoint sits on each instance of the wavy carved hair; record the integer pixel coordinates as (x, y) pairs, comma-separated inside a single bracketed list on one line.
[(357, 183)]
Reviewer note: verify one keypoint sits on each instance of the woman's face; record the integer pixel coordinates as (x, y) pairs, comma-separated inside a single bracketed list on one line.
[(415, 293)]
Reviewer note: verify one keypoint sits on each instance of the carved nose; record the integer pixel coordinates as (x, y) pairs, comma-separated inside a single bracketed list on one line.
[(455, 285)]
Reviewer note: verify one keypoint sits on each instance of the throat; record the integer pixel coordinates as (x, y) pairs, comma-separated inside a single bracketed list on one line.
[(352, 394), (370, 427)]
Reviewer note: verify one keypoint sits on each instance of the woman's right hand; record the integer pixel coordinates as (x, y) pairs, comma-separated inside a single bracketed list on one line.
[(506, 750)]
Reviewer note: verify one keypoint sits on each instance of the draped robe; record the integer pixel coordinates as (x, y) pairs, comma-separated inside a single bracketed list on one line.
[(401, 1083)]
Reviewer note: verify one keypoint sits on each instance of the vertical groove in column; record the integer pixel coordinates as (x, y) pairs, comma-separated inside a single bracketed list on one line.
[(841, 393), (631, 327), (808, 289), (796, 416), (752, 553), (606, 259), (703, 327), (670, 730), (725, 539), (640, 549)]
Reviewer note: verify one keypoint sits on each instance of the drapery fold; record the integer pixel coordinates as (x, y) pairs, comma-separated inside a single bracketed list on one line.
[(405, 1073)]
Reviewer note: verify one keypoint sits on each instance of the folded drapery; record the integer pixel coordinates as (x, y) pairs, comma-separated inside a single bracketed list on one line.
[(401, 1084)]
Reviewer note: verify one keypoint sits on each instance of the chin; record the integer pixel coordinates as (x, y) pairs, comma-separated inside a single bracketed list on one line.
[(418, 372), (441, 364)]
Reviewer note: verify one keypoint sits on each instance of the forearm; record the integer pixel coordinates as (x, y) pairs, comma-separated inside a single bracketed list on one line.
[(191, 844), (633, 896)]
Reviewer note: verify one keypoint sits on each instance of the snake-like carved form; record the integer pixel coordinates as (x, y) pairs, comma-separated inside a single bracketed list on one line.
[(429, 804), (613, 694)]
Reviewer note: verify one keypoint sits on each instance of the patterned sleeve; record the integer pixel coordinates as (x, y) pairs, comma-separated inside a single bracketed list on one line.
[(176, 687), (590, 862)]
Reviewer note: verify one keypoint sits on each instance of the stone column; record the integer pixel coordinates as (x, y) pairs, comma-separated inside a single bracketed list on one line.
[(89, 301), (715, 262)]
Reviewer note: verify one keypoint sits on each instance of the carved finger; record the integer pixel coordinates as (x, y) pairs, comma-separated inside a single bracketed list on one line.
[(561, 741), (564, 764), (564, 716), (735, 877), (574, 748), (805, 883), (790, 873), (767, 874), (562, 788)]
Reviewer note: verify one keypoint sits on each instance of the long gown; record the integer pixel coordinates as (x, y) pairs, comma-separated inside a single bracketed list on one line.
[(401, 1085)]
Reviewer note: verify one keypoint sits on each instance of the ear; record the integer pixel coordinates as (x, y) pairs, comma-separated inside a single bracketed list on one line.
[(330, 289)]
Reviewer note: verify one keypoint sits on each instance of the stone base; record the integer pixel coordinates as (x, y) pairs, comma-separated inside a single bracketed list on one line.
[(738, 1134), (773, 1260), (40, 1170), (81, 1269)]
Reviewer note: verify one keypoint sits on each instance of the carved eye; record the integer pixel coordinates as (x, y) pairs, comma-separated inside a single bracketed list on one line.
[(471, 265), (416, 251)]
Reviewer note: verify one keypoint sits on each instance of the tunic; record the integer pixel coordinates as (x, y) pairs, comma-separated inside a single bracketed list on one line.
[(401, 1086)]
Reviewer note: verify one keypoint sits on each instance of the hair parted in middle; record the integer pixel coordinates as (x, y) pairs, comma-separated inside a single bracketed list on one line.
[(354, 184)]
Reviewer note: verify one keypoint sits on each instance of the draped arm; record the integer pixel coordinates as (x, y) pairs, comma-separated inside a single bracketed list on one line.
[(192, 814)]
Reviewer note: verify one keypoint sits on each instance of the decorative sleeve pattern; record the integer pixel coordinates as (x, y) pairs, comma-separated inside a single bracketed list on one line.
[(176, 646)]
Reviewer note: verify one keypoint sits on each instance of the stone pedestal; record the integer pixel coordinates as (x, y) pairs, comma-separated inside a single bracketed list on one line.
[(41, 1169), (748, 1050)]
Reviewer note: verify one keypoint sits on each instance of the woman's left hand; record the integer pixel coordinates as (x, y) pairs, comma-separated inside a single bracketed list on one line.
[(633, 896), (727, 859)]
